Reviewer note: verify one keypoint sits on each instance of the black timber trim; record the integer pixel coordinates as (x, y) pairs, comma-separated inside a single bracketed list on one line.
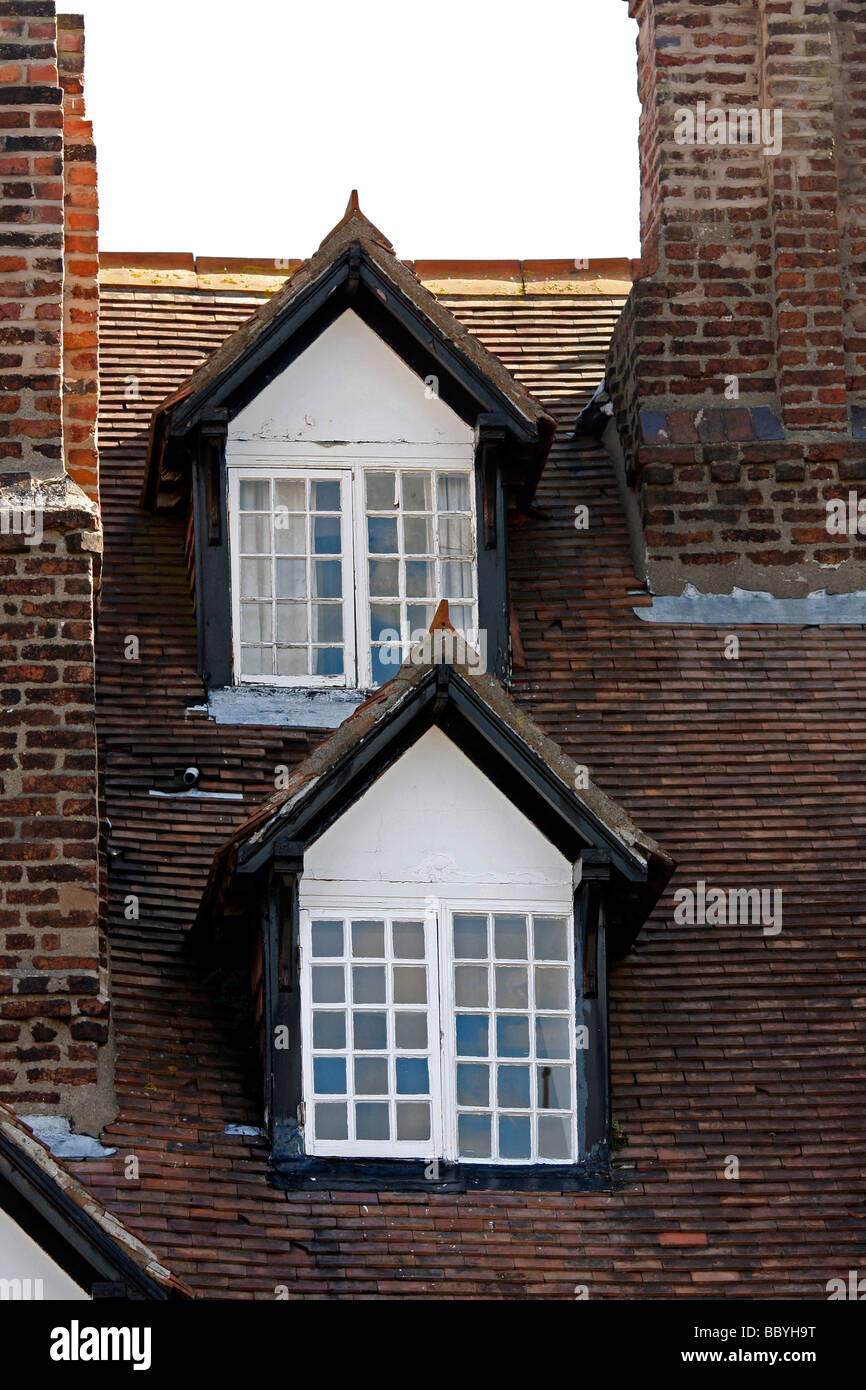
[(213, 596), (494, 611), (283, 1063), (428, 1176), (592, 1010), (443, 697), (68, 1235)]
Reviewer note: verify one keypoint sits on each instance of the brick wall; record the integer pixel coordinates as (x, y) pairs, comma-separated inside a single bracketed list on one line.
[(54, 1005), (738, 367)]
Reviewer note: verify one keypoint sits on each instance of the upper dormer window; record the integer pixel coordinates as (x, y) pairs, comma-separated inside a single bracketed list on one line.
[(337, 571)]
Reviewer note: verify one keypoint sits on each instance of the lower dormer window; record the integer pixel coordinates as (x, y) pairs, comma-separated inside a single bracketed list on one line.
[(448, 1034), (337, 572)]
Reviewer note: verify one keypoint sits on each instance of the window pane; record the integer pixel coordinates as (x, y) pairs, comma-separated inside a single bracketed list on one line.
[(368, 984), (417, 535), (470, 986), (384, 619), (551, 987), (473, 1136), (326, 535), (329, 1029), (412, 1076), (327, 622), (470, 937), (453, 492), (455, 537), (291, 579), (370, 1031), (257, 661), (554, 1088), (293, 661), (331, 1121), (256, 622), (290, 494), (327, 938), (551, 1037), (329, 1076), (384, 578), (327, 579), (255, 535), (420, 579), (385, 664), (328, 984), (456, 580), (473, 1084), (291, 623), (410, 1030), (417, 492), (255, 578), (325, 496), (328, 661), (409, 940), (368, 939), (255, 496), (371, 1076), (413, 1120), (290, 534), (381, 491), (514, 1137), (551, 942), (512, 987), (512, 1088), (554, 1136), (410, 984), (372, 1120), (382, 535), (473, 1035), (509, 935), (512, 1035)]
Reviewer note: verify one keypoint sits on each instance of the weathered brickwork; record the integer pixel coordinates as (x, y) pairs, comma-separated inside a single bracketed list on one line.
[(54, 1003), (737, 368)]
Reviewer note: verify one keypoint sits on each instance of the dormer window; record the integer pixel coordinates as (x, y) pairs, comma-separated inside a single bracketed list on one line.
[(350, 455), (337, 571)]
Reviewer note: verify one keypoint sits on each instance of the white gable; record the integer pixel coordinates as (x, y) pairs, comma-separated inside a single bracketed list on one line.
[(431, 819), (38, 1276), (349, 387)]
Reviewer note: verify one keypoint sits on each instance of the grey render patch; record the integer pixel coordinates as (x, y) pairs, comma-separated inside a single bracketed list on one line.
[(750, 607), (283, 707), (55, 1132)]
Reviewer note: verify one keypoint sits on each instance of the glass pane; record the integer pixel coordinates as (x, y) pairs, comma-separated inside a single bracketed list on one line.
[(327, 579), (384, 579), (473, 1084), (382, 535), (372, 1120), (462, 619), (470, 937), (291, 578), (255, 496), (456, 579), (453, 492), (370, 1031), (293, 661), (512, 987), (551, 938), (417, 492), (410, 984), (408, 940), (368, 984), (419, 617), (512, 1035), (417, 535), (371, 1076), (368, 939), (331, 1121), (473, 1136), (255, 535), (551, 987), (551, 1037), (470, 986), (325, 496), (256, 622), (327, 938), (329, 1029), (413, 1120), (290, 534), (329, 1076), (328, 661), (327, 622), (291, 494), (554, 1136), (514, 1136), (384, 621), (386, 664), (255, 578), (292, 622), (410, 1030), (412, 1076), (257, 661), (509, 936), (473, 1035), (420, 578), (554, 1088), (455, 537), (512, 1088), (328, 984), (326, 535), (381, 491)]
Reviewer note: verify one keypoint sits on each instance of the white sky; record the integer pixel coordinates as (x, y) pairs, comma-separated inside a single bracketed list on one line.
[(471, 128)]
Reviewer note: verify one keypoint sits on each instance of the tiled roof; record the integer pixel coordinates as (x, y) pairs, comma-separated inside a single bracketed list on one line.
[(724, 1041)]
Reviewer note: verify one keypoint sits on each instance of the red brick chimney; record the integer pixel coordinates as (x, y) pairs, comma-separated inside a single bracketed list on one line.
[(53, 963), (738, 370)]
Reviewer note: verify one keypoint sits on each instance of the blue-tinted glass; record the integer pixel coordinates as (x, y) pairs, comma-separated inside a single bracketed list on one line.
[(551, 1037), (327, 938), (329, 1029), (513, 1087), (329, 1076), (514, 1138), (472, 1035), (371, 1120), (470, 937), (370, 1031), (328, 661), (384, 619), (326, 535), (473, 1084), (412, 1078), (382, 535), (512, 1035), (551, 940), (473, 1136), (328, 984), (327, 579), (386, 663), (326, 497)]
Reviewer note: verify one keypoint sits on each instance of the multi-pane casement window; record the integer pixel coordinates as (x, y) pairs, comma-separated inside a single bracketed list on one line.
[(449, 1034), (337, 572)]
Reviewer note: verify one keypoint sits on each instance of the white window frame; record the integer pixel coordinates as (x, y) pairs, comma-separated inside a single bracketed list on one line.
[(405, 902), (357, 647)]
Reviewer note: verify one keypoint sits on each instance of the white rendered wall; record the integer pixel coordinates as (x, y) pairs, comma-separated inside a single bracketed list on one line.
[(349, 387), (21, 1258), (432, 823)]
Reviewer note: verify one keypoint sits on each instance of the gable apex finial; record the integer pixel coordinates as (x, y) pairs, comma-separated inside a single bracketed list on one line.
[(353, 205)]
